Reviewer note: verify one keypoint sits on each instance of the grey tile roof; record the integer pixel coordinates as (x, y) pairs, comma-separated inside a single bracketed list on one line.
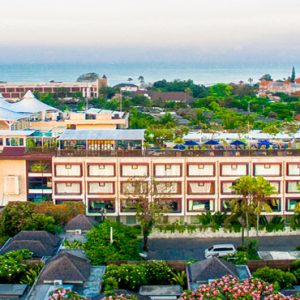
[(114, 135), (40, 235), (66, 267), (81, 222), (40, 243), (211, 268)]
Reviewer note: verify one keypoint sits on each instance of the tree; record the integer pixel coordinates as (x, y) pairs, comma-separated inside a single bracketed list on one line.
[(293, 76), (124, 246), (254, 192), (129, 79), (141, 79), (88, 77), (262, 191), (266, 77), (12, 265), (149, 208)]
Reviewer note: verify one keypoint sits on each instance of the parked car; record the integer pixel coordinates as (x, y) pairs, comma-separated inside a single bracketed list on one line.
[(219, 250)]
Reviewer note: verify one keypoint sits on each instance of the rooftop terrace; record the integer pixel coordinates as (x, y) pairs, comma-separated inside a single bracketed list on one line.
[(165, 153)]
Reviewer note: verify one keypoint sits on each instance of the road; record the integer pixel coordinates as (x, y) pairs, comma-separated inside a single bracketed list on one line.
[(185, 249)]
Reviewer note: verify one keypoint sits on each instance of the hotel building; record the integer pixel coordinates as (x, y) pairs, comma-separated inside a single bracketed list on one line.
[(87, 89), (98, 161)]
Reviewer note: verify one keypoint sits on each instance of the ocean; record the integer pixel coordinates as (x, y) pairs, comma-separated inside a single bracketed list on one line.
[(120, 72)]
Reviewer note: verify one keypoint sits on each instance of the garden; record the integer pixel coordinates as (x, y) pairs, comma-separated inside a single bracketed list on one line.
[(133, 276), (228, 287), (15, 267)]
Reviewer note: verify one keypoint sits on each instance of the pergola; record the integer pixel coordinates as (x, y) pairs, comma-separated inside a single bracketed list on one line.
[(98, 140)]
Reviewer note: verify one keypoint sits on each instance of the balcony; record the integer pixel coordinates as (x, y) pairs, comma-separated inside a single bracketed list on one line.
[(163, 153)]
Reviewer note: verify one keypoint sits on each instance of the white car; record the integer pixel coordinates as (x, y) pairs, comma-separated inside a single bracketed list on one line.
[(219, 250)]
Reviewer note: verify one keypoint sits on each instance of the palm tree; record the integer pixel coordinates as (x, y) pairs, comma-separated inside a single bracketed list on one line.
[(254, 200), (263, 190), (129, 79), (141, 79)]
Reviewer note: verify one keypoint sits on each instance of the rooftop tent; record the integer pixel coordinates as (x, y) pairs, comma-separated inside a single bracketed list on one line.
[(211, 142), (4, 103), (191, 143), (237, 143), (8, 115), (180, 147), (30, 104)]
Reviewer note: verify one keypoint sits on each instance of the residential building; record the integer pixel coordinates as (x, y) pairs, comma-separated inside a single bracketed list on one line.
[(80, 224), (273, 87), (87, 89), (40, 243), (204, 271), (127, 87)]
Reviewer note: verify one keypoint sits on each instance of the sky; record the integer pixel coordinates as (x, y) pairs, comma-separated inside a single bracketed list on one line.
[(224, 31)]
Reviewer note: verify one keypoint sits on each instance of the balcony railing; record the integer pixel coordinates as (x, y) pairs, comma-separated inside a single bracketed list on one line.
[(164, 153)]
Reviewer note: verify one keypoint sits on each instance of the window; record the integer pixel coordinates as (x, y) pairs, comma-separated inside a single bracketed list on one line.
[(169, 205), (292, 187), (200, 205), (102, 184), (267, 166), (167, 167), (200, 166), (68, 167), (129, 205), (101, 167), (38, 198), (291, 203), (234, 167), (36, 183), (134, 167), (1, 141), (68, 184), (101, 206), (200, 188)]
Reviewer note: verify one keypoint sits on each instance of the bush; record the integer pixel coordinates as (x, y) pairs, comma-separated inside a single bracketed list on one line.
[(228, 288), (275, 224), (62, 213), (276, 276), (14, 269), (125, 246), (63, 293), (18, 216), (132, 276)]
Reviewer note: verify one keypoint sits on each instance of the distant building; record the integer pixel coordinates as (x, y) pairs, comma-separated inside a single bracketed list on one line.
[(127, 87), (11, 90), (170, 96), (285, 87)]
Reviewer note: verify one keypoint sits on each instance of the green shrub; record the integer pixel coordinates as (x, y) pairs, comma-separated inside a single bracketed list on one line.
[(281, 278), (275, 224), (132, 276), (125, 246), (109, 285), (74, 244)]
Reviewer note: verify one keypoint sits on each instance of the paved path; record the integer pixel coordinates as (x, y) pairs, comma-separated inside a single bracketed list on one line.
[(185, 249)]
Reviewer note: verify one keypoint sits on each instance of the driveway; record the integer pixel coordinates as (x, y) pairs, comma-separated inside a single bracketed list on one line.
[(185, 249)]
